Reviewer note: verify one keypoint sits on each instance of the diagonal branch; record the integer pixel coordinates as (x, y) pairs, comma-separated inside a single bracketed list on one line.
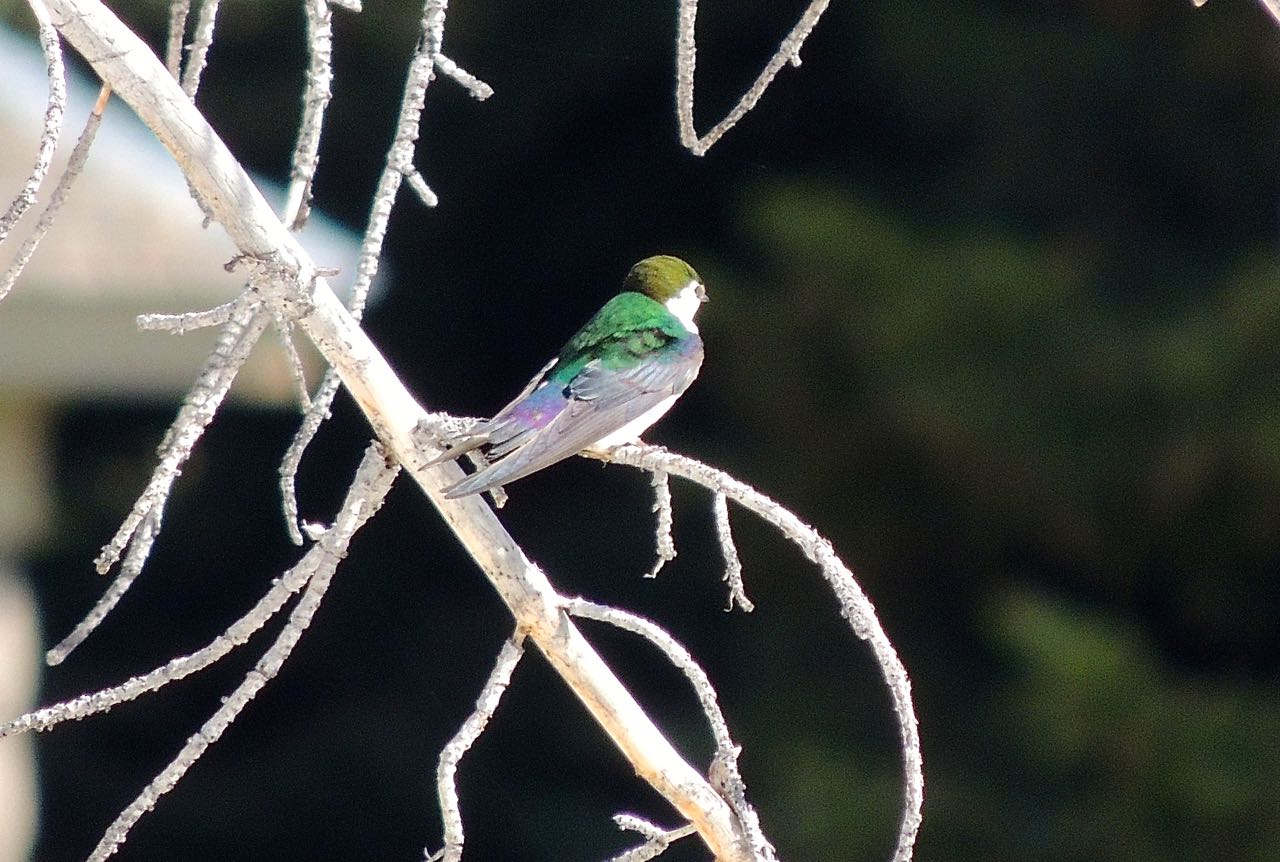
[(57, 106), (125, 62), (372, 481)]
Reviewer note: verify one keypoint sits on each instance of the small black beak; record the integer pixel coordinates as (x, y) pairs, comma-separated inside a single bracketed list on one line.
[(701, 292)]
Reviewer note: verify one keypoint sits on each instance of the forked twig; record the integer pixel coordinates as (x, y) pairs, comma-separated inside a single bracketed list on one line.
[(372, 481), (725, 775), (658, 839), (855, 607), (686, 60), (398, 168)]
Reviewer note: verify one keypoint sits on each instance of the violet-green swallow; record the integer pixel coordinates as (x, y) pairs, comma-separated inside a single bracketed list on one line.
[(617, 375)]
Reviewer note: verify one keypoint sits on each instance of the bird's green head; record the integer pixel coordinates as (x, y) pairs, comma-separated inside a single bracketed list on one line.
[(662, 277)]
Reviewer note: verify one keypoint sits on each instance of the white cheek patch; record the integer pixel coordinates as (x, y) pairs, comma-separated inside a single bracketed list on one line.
[(685, 304)]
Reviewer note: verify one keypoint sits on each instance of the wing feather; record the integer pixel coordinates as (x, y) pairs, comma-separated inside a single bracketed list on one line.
[(601, 400)]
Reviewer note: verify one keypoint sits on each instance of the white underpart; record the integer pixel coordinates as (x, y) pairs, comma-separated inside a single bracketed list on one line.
[(685, 304), (631, 432)]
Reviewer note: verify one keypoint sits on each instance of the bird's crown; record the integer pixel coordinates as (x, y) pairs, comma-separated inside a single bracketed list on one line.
[(660, 277)]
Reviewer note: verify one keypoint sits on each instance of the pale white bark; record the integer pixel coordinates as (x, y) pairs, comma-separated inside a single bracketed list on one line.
[(666, 546), (855, 607), (724, 769), (486, 704), (732, 564), (658, 839), (686, 60), (285, 277), (69, 175), (198, 51), (364, 497), (57, 106)]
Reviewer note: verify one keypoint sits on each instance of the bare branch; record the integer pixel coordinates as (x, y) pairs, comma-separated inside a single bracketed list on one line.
[(237, 634), (855, 607), (478, 89), (486, 705), (363, 499), (188, 321), (419, 186), (201, 41), (725, 776), (179, 11), (399, 155), (236, 340), (686, 60), (371, 483), (297, 372), (52, 129), (136, 557), (79, 154), (315, 99), (659, 839), (732, 565), (666, 546), (120, 58), (312, 419)]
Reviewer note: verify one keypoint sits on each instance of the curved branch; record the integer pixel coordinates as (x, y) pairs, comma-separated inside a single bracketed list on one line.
[(54, 110), (124, 61), (855, 607)]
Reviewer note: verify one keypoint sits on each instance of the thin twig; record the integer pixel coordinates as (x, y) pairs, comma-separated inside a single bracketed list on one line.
[(855, 607), (315, 99), (418, 185), (236, 340), (659, 839), (187, 321), (666, 546), (201, 41), (53, 113), (725, 775), (312, 419), (399, 155), (357, 508), (732, 565), (478, 89), (134, 559), (686, 60), (179, 11), (79, 155), (446, 772), (373, 479), (293, 361)]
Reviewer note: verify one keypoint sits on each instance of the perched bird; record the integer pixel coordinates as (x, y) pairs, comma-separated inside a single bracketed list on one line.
[(617, 375)]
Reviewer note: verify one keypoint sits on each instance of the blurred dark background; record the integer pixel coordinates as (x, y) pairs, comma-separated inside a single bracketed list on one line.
[(994, 306)]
